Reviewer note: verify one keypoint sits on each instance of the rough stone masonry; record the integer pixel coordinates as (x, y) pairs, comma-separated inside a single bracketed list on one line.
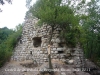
[(34, 43)]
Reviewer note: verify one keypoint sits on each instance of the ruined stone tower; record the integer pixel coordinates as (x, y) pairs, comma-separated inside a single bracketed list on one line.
[(34, 43)]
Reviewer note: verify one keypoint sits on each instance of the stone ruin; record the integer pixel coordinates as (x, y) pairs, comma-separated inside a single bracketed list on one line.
[(33, 45)]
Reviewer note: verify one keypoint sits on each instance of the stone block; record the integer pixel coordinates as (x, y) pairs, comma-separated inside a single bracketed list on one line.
[(58, 40), (54, 49), (56, 52), (71, 61), (59, 49)]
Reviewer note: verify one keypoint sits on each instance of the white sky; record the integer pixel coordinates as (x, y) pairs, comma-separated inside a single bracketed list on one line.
[(13, 14)]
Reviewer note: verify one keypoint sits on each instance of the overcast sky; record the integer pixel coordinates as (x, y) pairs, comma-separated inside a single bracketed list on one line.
[(13, 14)]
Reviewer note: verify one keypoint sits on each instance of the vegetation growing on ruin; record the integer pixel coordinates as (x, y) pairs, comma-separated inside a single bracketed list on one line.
[(57, 15), (80, 23), (77, 26)]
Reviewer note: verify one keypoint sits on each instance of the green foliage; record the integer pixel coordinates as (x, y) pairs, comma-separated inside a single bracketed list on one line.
[(4, 33), (8, 44), (28, 2), (55, 14), (67, 17), (90, 33)]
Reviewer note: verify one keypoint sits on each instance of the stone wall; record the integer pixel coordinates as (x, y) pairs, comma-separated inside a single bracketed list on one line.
[(33, 45)]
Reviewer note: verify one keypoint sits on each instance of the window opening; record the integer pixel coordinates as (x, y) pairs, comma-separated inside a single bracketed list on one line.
[(31, 52), (37, 42), (60, 52), (61, 44)]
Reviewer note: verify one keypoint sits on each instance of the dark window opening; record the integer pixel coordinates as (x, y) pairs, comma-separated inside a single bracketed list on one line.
[(51, 43), (37, 42), (59, 31), (20, 41), (61, 44), (60, 52), (45, 36), (31, 52)]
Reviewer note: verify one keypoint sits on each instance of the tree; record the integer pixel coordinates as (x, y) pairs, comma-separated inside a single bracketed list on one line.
[(91, 33), (54, 14), (4, 33), (28, 2), (9, 39), (2, 1)]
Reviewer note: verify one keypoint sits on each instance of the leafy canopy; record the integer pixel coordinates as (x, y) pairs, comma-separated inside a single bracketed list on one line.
[(53, 13)]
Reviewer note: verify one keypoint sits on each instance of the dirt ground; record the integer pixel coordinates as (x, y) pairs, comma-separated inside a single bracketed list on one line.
[(19, 68), (14, 68)]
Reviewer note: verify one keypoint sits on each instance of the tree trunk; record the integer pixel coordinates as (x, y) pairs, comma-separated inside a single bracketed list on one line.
[(49, 55)]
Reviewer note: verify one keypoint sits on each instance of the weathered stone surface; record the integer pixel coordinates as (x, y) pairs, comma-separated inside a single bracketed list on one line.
[(34, 45)]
